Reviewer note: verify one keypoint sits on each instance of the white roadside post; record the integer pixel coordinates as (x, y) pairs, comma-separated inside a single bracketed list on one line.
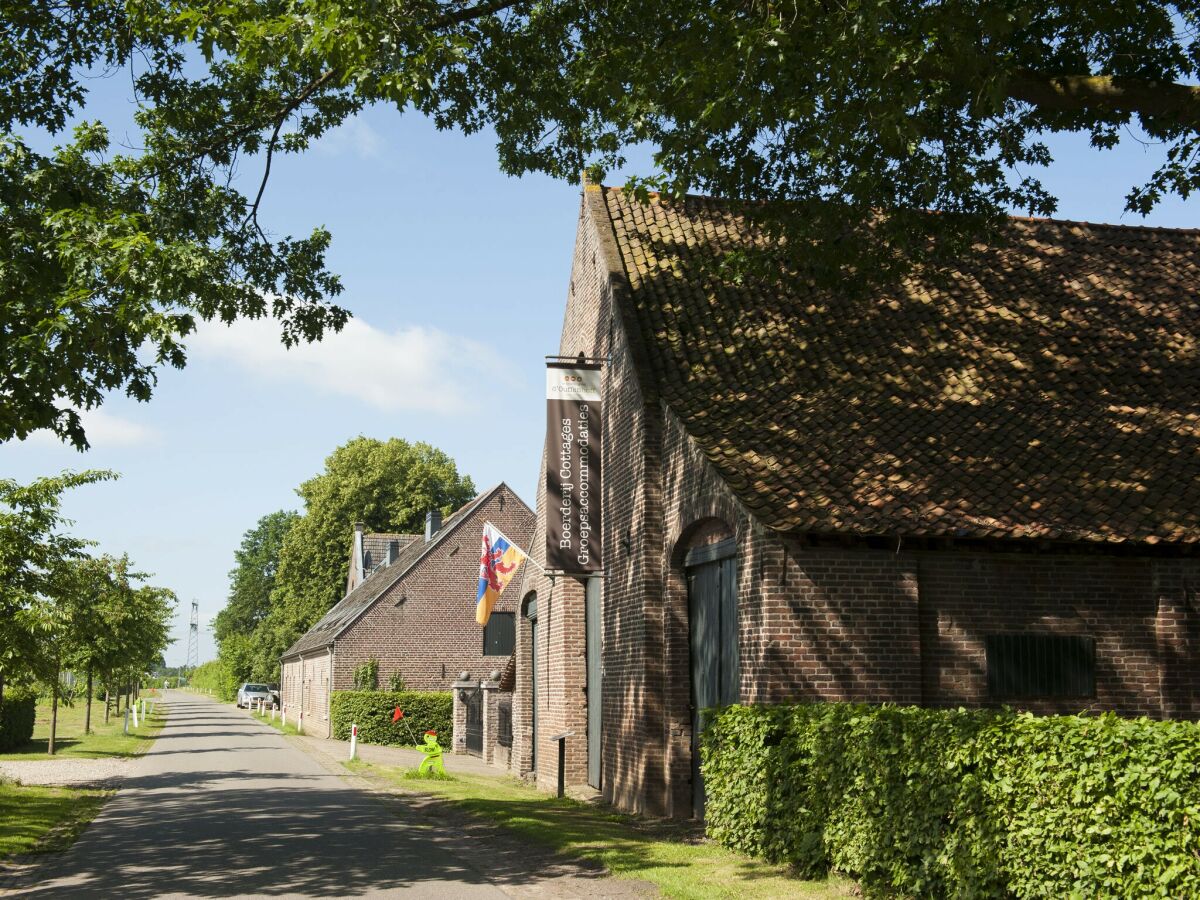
[(134, 707), (353, 741), (283, 715), (300, 723)]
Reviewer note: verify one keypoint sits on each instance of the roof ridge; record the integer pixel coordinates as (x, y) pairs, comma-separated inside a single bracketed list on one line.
[(452, 523), (1012, 217)]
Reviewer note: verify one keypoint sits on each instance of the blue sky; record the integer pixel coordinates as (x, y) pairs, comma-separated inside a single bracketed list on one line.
[(456, 276)]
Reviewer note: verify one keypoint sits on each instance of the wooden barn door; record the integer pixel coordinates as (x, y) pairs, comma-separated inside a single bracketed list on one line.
[(712, 609)]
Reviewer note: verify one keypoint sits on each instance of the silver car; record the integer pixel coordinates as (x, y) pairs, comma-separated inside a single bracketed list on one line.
[(249, 694)]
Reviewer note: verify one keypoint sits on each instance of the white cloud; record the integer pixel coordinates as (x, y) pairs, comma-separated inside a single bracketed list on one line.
[(353, 136), (104, 431), (411, 368)]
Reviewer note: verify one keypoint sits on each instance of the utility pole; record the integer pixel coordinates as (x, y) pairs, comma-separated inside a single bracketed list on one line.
[(193, 647)]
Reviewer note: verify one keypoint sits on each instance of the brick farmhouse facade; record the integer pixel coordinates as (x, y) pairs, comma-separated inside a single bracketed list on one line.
[(925, 495), (414, 613)]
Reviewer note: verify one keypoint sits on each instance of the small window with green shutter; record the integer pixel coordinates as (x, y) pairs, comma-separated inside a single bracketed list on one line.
[(499, 635)]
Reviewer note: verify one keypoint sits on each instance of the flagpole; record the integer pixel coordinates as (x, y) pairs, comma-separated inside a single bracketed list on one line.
[(519, 547)]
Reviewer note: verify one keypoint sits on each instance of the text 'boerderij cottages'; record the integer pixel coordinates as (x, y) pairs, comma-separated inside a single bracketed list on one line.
[(410, 603), (984, 490)]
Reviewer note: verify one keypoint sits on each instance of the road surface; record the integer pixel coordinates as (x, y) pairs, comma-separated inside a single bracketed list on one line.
[(225, 806)]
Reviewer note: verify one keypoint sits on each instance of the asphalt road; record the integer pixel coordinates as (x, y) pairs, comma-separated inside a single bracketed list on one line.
[(223, 806)]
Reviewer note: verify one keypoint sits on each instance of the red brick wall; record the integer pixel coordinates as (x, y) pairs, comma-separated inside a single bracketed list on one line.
[(432, 636), (817, 620), (561, 675)]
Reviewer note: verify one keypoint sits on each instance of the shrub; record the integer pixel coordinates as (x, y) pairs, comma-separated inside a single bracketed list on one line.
[(960, 803), (366, 675), (372, 712), (396, 683), (17, 713)]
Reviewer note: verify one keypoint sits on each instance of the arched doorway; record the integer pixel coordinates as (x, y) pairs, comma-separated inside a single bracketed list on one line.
[(711, 574)]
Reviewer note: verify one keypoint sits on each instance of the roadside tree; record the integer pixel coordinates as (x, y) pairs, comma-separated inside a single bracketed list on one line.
[(33, 554)]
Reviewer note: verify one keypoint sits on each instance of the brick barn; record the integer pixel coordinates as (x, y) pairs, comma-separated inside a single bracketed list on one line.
[(411, 605), (977, 490)]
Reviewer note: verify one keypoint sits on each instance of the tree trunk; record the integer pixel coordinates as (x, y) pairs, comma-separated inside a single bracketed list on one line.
[(1, 689), (53, 711), (87, 715), (107, 699)]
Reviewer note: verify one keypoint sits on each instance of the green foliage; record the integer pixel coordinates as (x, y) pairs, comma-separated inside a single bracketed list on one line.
[(848, 121), (17, 712), (34, 553), (396, 683), (244, 643), (372, 712), (366, 675), (110, 258), (252, 578), (960, 803), (214, 678), (387, 485)]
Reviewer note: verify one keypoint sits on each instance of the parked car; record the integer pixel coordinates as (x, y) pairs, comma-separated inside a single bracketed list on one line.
[(249, 694)]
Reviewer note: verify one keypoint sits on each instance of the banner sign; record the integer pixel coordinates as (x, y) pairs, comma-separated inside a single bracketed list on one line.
[(573, 441)]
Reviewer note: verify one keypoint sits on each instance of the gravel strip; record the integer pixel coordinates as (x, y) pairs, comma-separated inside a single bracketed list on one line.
[(78, 772)]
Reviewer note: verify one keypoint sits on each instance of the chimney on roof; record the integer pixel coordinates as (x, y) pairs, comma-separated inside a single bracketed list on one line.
[(433, 524)]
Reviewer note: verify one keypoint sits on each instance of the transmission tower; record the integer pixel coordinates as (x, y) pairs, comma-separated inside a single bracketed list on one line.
[(193, 650)]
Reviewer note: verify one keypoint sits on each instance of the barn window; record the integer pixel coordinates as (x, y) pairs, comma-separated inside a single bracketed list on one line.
[(499, 635), (1041, 665)]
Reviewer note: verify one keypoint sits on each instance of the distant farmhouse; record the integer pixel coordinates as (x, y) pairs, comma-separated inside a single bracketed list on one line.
[(978, 490), (410, 603)]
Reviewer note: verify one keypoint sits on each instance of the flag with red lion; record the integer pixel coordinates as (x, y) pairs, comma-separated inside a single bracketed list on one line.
[(498, 563)]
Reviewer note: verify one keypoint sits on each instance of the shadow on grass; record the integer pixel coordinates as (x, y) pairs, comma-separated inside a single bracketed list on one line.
[(44, 819), (673, 854)]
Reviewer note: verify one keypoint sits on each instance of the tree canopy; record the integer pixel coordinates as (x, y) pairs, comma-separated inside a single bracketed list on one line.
[(34, 554), (252, 579), (291, 569), (846, 123)]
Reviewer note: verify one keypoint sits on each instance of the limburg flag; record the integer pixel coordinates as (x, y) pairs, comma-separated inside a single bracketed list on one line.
[(497, 565)]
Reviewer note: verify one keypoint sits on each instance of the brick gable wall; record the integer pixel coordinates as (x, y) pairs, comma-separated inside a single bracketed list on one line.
[(432, 636)]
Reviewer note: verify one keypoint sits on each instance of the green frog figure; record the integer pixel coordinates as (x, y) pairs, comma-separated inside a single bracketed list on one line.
[(433, 755)]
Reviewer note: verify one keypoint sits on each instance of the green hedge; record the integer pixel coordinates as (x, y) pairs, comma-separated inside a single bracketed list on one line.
[(957, 803), (372, 711), (16, 718)]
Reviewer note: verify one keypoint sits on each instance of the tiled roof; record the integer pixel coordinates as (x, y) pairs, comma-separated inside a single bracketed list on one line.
[(1049, 388), (358, 601), (375, 546)]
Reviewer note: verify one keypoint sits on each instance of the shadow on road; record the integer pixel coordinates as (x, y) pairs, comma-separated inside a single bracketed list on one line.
[(269, 822)]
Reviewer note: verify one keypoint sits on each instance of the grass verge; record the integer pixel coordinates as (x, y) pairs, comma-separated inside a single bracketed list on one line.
[(275, 723), (673, 856), (105, 740), (44, 819)]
